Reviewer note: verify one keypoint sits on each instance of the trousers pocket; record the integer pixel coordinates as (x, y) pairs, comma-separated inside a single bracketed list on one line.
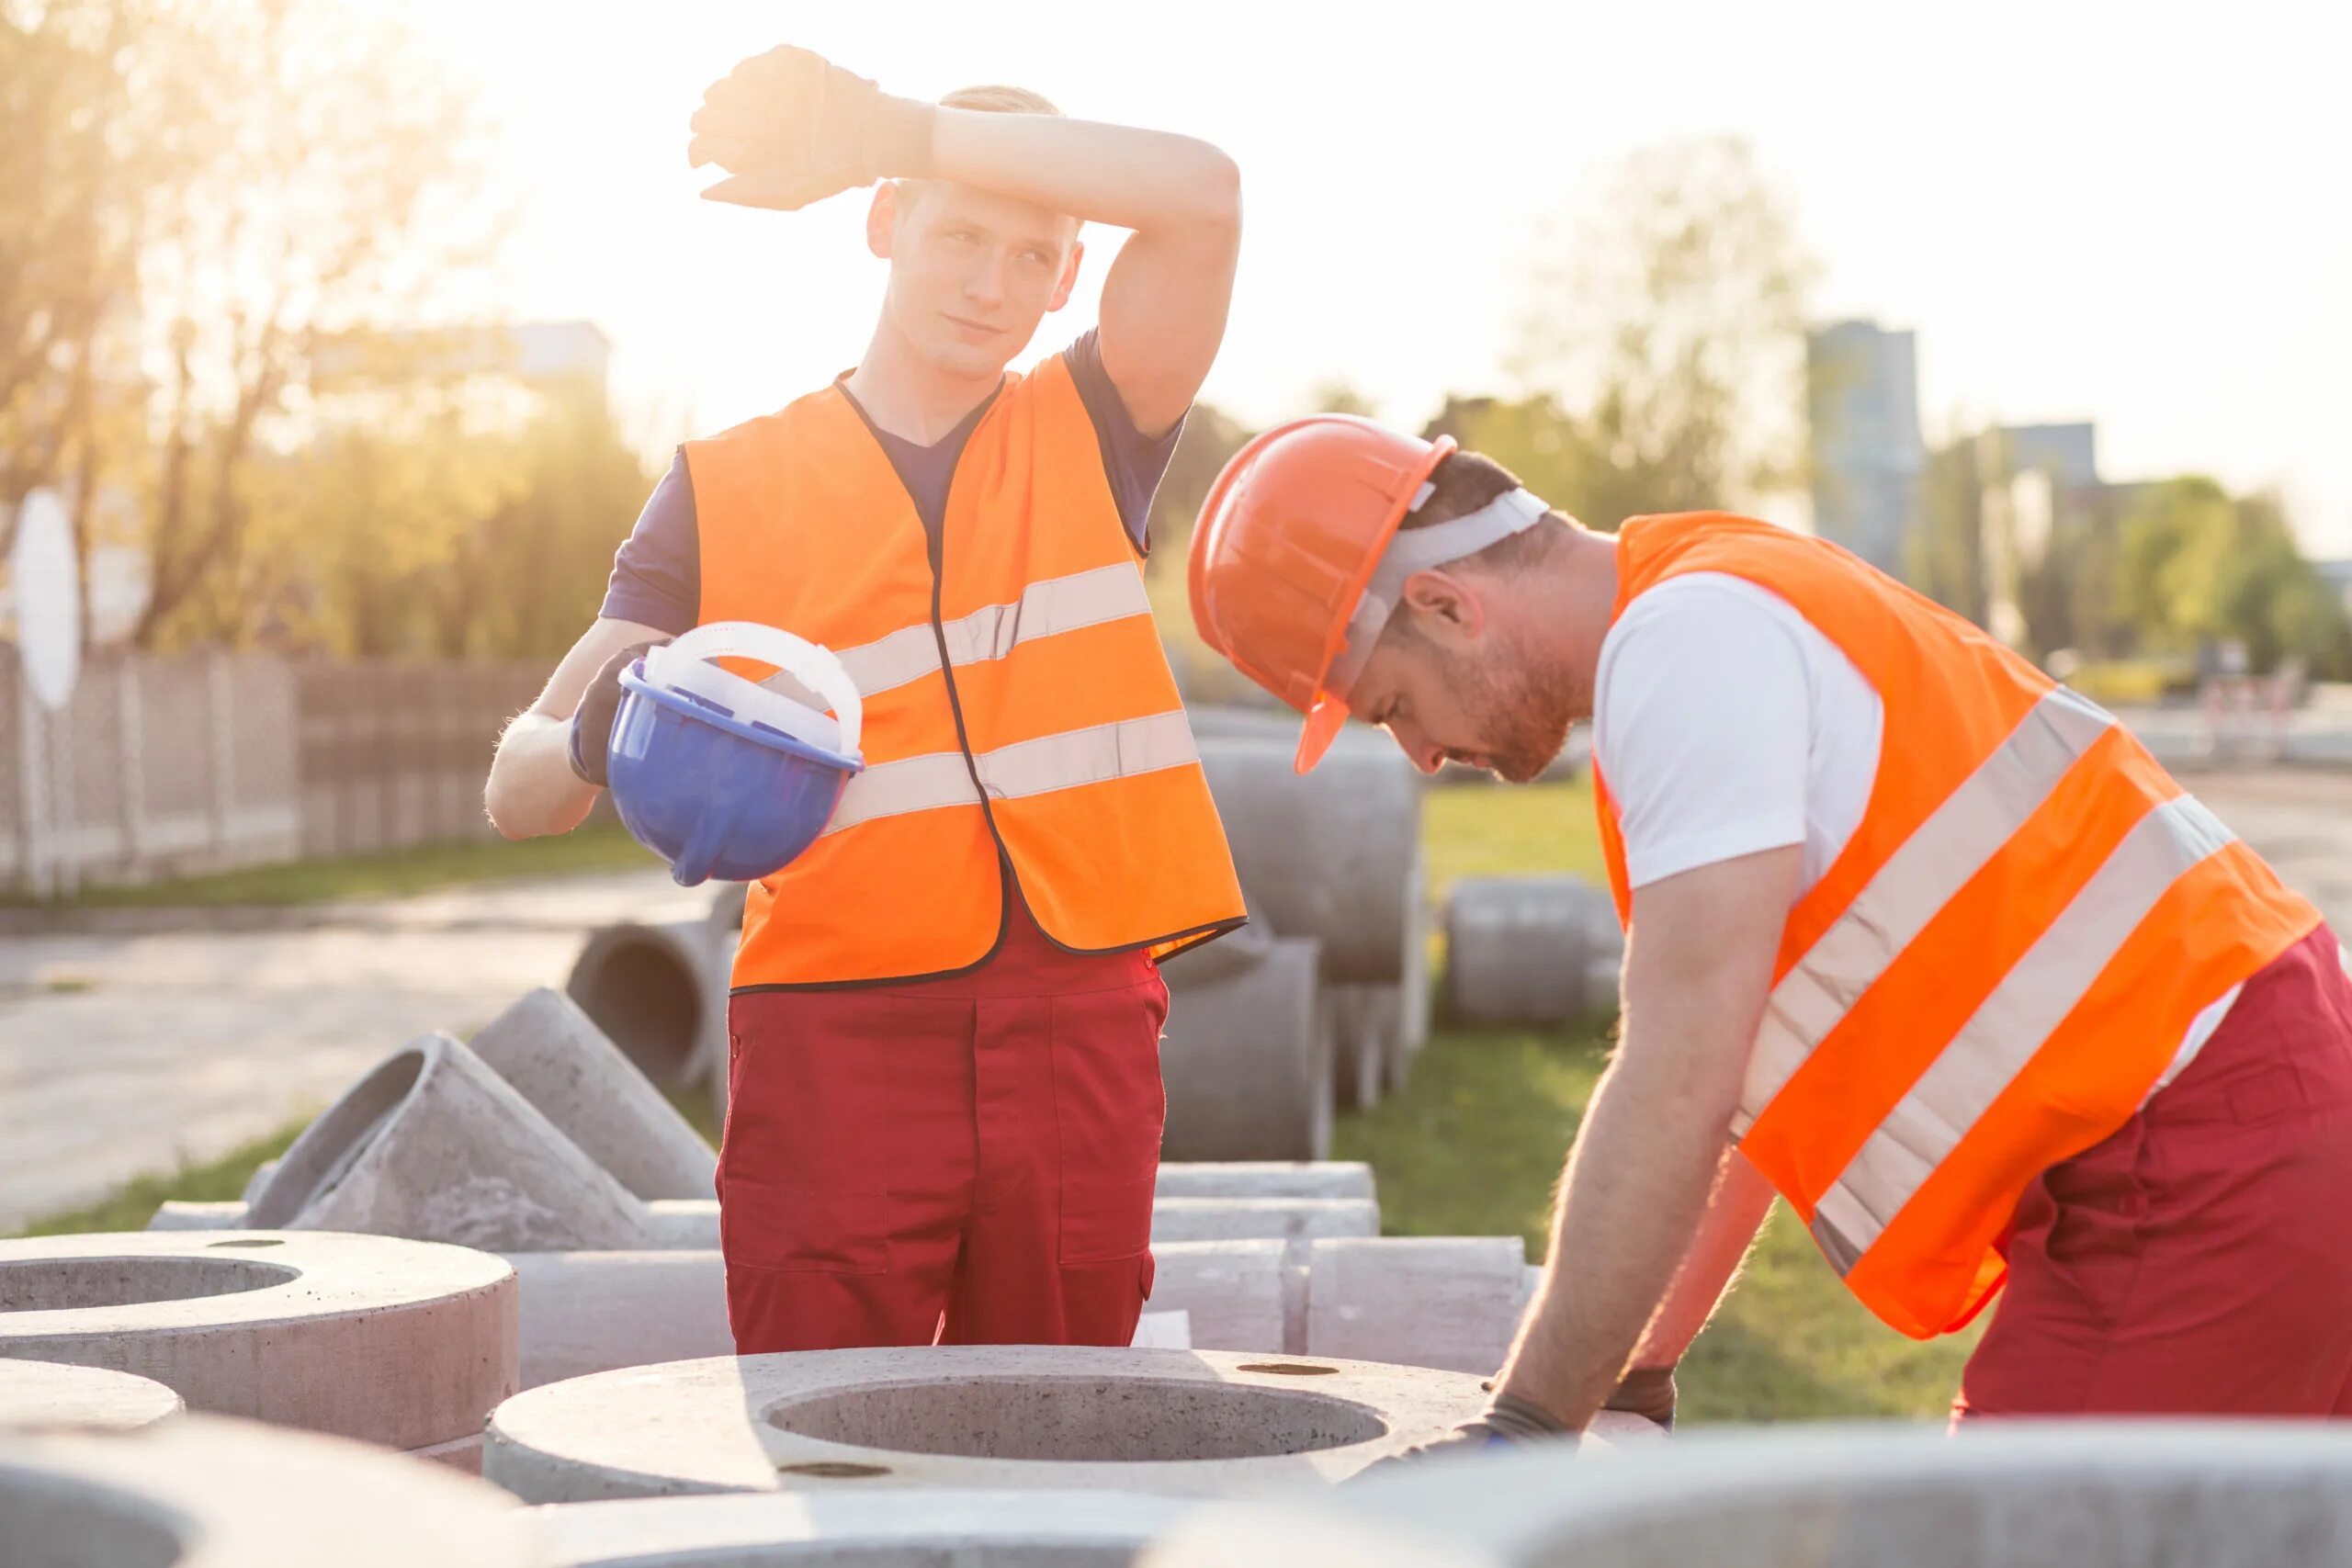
[(803, 1230), (1105, 1222)]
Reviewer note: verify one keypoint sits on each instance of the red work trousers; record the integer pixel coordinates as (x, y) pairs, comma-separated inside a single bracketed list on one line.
[(2198, 1262), (962, 1161)]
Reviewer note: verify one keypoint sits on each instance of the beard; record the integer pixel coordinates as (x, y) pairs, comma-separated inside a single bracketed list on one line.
[(1522, 705)]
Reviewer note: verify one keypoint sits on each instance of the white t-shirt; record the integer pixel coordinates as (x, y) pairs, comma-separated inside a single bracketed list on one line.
[(1727, 725)]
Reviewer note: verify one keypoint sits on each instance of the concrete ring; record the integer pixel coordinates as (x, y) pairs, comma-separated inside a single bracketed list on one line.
[(1185, 1422), (37, 1396), (405, 1343), (972, 1529), (202, 1492)]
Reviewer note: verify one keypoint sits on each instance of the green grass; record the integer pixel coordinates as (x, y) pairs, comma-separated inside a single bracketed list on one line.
[(1475, 829), (602, 846), (130, 1209)]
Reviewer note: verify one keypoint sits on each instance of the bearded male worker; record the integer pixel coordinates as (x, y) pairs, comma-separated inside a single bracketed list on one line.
[(1915, 937), (945, 1108)]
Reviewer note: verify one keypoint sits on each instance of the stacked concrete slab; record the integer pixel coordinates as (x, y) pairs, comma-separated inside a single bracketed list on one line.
[(204, 1492), (406, 1344), (2071, 1495), (1036, 1418)]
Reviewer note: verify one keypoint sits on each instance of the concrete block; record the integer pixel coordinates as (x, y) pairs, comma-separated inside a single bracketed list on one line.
[(432, 1145), (591, 1312), (548, 1048), (1195, 1422), (205, 1493), (692, 1223), (1450, 1301), (53, 1396), (1247, 1058), (177, 1214), (1332, 854), (1252, 1219), (1234, 1291), (460, 1454), (1163, 1331), (2014, 1494), (659, 992), (1266, 1179), (257, 1180), (894, 1529), (402, 1343), (1526, 949), (1364, 1020)]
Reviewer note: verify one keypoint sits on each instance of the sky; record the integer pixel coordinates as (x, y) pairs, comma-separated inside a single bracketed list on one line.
[(2140, 214)]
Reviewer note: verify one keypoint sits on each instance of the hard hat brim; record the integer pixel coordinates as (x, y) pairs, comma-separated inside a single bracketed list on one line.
[(1324, 722)]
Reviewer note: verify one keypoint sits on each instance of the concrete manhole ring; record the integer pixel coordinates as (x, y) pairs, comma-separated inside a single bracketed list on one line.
[(1040, 1417), (970, 1529), (51, 1396), (204, 1492), (404, 1343)]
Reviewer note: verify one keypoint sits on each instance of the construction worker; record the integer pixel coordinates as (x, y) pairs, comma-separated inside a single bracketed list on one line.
[(945, 1107), (1922, 941)]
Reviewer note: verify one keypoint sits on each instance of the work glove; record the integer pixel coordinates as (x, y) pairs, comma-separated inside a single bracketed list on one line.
[(592, 727), (1646, 1392), (791, 128), (1509, 1422)]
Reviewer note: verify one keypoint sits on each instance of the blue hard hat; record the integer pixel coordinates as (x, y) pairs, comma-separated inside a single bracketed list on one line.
[(723, 777)]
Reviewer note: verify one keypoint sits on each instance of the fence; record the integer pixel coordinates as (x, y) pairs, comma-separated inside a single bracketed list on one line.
[(163, 767)]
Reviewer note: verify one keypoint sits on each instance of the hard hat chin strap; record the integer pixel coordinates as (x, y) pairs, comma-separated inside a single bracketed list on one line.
[(1424, 549)]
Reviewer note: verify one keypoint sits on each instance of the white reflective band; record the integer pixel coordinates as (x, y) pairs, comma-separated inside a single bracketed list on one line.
[(1996, 1044), (1058, 605), (1920, 878), (1067, 761), (1424, 549)]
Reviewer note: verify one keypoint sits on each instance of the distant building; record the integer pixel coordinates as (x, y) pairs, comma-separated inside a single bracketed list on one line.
[(1862, 397), (2067, 452)]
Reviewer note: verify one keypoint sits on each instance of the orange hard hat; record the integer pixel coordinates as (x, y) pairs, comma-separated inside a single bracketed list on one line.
[(1287, 541)]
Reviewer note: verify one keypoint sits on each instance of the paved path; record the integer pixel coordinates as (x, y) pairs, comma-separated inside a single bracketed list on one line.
[(150, 1039)]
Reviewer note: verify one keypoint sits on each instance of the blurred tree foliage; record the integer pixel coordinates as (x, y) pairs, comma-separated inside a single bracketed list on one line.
[(2194, 564), (1660, 344), (226, 221)]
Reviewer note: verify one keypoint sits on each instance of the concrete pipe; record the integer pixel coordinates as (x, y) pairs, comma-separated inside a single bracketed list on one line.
[(1450, 1301), (51, 1396), (179, 1214), (659, 992), (432, 1145), (402, 1343), (1365, 1020), (1236, 1293), (1527, 949), (200, 1492), (897, 1529), (547, 1047), (1331, 855), (1256, 1219), (1246, 1059), (593, 1312), (1184, 1422), (2070, 1495), (1266, 1179)]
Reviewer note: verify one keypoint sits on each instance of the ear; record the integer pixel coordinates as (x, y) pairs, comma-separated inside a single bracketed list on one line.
[(882, 218), (1070, 276), (1450, 606)]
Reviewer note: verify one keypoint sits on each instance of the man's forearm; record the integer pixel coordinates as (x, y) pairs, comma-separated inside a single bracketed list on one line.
[(1129, 178), (1734, 1210), (532, 789), (1638, 1181)]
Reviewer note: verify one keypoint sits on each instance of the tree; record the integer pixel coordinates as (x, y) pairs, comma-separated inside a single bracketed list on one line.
[(2195, 565), (1664, 319)]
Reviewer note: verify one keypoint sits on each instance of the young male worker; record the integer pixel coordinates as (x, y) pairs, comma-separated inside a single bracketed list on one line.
[(1928, 944), (945, 1108)]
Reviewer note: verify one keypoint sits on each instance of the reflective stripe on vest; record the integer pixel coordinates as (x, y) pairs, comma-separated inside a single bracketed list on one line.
[(1994, 1046), (1059, 604), (1068, 761)]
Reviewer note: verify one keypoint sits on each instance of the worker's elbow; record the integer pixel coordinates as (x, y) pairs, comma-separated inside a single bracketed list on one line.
[(1217, 189)]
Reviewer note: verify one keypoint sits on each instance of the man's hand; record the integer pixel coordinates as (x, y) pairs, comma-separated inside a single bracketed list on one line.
[(1509, 1422), (590, 749), (791, 128), (1646, 1391)]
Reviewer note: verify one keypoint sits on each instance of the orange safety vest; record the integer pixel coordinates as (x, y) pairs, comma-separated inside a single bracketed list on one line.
[(2008, 953), (1018, 703)]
